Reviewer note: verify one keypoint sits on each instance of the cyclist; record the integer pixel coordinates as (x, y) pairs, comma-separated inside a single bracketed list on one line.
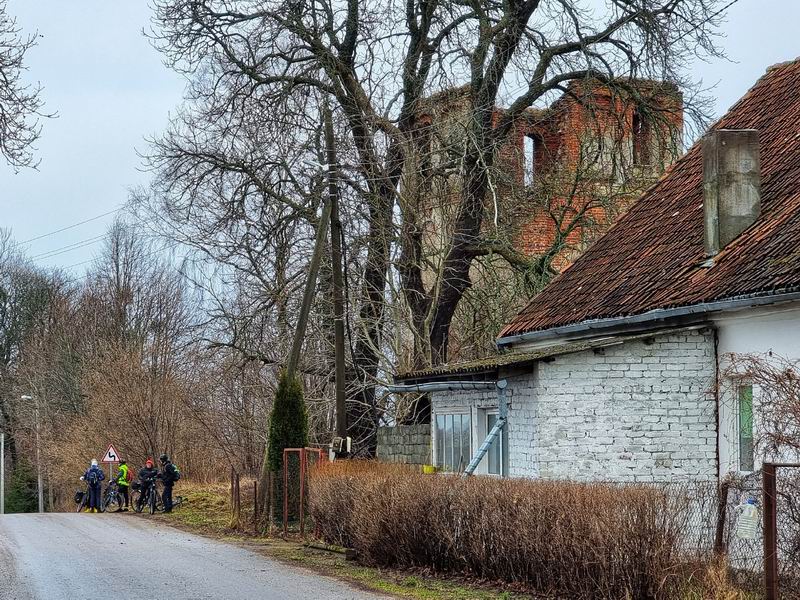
[(169, 475), (147, 477), (93, 477), (123, 481)]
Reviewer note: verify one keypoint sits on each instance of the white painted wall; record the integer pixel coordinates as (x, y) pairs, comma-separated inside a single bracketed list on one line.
[(636, 411), (753, 331)]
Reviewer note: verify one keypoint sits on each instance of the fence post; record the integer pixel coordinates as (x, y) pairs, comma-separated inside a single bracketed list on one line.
[(233, 493), (255, 503), (285, 494), (302, 490), (238, 500), (271, 503), (722, 513), (770, 531)]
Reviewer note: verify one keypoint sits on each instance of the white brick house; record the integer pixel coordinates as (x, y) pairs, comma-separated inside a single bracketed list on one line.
[(617, 370)]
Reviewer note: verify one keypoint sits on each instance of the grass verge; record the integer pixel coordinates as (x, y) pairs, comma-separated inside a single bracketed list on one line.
[(206, 511)]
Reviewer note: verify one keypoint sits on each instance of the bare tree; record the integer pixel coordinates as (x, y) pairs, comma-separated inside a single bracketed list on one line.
[(261, 69), (20, 102), (776, 409)]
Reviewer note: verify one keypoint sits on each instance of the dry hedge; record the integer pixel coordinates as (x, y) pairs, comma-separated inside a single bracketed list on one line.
[(575, 540)]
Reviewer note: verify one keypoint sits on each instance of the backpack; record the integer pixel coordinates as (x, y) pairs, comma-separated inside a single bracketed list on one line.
[(129, 475), (176, 472), (92, 477)]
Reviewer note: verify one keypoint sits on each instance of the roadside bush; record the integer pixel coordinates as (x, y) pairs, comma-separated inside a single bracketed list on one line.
[(575, 540), (22, 496)]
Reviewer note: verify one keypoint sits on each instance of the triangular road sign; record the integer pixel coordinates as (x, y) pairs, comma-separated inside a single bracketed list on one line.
[(112, 456)]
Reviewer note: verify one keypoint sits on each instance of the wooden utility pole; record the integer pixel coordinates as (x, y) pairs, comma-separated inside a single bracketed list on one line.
[(310, 289), (338, 276), (302, 319)]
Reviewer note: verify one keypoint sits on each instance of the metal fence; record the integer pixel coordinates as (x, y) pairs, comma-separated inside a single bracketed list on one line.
[(768, 561)]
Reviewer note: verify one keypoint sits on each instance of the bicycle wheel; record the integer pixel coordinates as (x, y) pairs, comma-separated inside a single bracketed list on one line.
[(82, 504), (112, 503), (138, 502), (152, 501)]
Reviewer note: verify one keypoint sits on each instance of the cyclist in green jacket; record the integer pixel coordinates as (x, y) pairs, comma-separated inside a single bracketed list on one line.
[(123, 482)]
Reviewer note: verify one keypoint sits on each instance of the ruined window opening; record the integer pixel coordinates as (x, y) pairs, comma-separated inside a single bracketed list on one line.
[(530, 147), (641, 140), (746, 446)]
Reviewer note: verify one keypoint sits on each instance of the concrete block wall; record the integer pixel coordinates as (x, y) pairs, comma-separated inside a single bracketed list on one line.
[(639, 411), (408, 444)]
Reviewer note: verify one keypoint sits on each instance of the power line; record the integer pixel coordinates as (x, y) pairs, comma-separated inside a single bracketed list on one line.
[(73, 226), (69, 248), (82, 243)]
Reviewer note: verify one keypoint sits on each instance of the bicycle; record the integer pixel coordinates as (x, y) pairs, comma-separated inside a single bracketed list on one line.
[(146, 496), (112, 498), (82, 498)]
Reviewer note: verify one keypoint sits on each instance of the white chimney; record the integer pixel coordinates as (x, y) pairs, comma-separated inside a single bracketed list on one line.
[(731, 185)]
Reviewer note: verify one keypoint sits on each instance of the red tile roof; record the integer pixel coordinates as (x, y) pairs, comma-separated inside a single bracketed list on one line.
[(651, 259)]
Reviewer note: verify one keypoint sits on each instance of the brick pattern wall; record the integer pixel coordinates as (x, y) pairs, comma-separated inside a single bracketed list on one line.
[(409, 444), (635, 412)]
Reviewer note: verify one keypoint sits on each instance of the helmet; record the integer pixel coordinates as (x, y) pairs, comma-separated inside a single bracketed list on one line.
[(163, 458), (149, 462), (94, 462)]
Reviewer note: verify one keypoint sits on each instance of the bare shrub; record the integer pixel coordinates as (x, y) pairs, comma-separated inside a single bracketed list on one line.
[(576, 540)]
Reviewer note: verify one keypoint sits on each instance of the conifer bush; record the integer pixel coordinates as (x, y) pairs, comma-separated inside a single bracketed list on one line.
[(288, 424), (21, 496)]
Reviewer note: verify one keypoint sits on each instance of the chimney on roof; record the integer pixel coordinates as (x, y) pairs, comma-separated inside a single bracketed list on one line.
[(731, 185)]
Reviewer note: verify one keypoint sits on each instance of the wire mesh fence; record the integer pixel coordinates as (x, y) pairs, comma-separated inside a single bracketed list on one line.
[(717, 522)]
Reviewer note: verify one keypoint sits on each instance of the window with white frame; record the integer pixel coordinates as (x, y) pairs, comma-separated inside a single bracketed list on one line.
[(494, 457), (745, 410), (453, 441)]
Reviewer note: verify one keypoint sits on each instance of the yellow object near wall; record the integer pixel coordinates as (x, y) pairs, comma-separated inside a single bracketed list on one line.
[(428, 469)]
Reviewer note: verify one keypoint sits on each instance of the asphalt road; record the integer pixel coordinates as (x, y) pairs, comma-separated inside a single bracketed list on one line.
[(62, 556)]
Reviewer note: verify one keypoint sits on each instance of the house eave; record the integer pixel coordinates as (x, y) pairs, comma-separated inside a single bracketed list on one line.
[(680, 316)]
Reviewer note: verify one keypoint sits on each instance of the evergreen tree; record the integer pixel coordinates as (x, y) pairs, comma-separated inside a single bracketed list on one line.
[(21, 496), (288, 424)]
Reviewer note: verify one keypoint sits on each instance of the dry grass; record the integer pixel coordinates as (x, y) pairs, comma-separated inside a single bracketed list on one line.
[(557, 538)]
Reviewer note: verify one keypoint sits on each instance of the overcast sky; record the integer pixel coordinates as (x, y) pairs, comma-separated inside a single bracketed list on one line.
[(111, 90)]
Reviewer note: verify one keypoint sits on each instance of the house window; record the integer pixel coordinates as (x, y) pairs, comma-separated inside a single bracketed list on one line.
[(746, 449), (495, 454), (453, 448), (529, 147), (641, 140)]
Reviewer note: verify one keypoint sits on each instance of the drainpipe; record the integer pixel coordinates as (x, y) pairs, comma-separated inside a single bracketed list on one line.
[(447, 386)]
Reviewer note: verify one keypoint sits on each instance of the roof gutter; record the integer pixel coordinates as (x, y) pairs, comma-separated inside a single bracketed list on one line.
[(441, 386), (696, 311)]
